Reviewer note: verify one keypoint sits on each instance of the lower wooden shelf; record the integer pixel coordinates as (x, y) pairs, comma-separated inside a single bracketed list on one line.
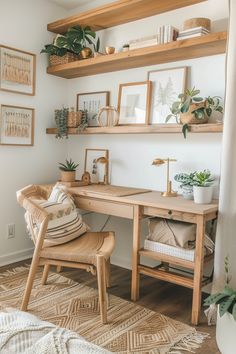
[(145, 129)]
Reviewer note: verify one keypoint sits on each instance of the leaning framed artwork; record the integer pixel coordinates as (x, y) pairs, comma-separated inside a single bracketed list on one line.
[(134, 103), (17, 71), (17, 126), (92, 102), (96, 164), (167, 85)]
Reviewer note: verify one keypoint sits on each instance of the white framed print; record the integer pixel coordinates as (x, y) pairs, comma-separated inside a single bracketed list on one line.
[(167, 85), (134, 103), (92, 165)]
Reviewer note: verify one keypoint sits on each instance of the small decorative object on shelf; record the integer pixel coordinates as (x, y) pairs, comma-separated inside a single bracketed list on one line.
[(86, 177), (108, 116), (159, 162), (104, 160), (186, 185), (86, 53), (202, 187), (197, 22), (110, 50), (195, 27), (68, 170), (74, 118), (193, 109), (125, 48), (61, 122), (96, 48), (96, 164)]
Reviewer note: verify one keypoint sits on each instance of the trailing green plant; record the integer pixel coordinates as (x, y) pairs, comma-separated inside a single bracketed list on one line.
[(186, 179), (226, 299), (126, 45), (203, 179), (61, 122), (84, 120), (68, 166), (191, 96), (96, 46)]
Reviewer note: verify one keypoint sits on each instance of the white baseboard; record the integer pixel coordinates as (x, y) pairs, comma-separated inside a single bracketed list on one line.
[(16, 256)]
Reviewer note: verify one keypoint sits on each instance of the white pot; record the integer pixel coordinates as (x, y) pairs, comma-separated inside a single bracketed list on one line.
[(202, 195), (226, 333), (187, 192)]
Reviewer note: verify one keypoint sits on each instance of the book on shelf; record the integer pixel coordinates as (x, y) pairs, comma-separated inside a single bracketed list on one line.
[(166, 34), (143, 42), (191, 36), (193, 32)]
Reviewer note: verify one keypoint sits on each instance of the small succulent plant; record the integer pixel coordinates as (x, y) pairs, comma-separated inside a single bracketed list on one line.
[(68, 166)]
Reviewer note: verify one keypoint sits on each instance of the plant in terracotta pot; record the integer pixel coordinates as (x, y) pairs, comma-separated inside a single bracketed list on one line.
[(186, 183), (68, 171), (202, 187), (193, 109), (225, 301)]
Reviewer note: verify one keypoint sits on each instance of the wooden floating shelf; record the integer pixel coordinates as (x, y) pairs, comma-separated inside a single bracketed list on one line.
[(147, 129), (117, 13), (211, 44)]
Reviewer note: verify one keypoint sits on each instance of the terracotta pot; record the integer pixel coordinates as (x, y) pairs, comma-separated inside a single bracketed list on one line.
[(85, 53), (189, 117), (68, 176), (110, 50)]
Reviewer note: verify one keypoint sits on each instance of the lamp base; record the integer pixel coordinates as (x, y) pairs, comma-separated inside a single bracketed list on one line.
[(169, 194)]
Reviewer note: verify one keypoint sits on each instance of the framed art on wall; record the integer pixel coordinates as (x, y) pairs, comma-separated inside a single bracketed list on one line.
[(92, 102), (134, 103), (167, 85), (17, 125), (17, 71), (97, 170)]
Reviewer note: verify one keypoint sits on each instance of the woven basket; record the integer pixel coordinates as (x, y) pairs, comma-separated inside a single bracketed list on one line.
[(74, 119), (189, 118), (67, 58)]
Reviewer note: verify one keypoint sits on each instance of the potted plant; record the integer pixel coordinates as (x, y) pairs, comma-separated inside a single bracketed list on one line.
[(202, 187), (68, 171), (186, 185), (61, 117), (125, 48), (193, 109), (226, 315)]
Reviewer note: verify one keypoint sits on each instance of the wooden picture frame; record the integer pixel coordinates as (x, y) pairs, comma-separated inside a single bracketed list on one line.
[(93, 101), (167, 85), (17, 71), (17, 125), (97, 171), (134, 100)]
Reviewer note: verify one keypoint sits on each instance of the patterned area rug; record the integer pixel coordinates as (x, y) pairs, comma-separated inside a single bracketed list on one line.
[(131, 328)]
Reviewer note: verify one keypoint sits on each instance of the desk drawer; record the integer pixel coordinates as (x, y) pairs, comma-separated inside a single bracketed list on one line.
[(170, 214), (105, 207)]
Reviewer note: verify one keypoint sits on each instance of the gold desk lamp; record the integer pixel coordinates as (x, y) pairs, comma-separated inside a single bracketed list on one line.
[(105, 161), (159, 162)]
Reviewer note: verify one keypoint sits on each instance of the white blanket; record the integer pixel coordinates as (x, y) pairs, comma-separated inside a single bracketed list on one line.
[(21, 332)]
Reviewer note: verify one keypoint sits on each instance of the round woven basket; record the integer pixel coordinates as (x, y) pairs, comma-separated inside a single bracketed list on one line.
[(197, 22), (189, 117), (67, 58)]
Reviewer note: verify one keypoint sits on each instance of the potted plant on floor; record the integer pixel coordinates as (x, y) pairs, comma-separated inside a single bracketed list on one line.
[(68, 171), (226, 315), (193, 109), (186, 183), (202, 187)]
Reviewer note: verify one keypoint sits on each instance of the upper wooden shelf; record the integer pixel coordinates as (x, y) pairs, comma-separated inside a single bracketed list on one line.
[(146, 129), (118, 12), (211, 44)]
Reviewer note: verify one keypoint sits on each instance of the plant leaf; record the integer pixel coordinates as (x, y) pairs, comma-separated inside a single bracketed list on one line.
[(225, 305), (185, 129), (234, 311), (214, 299), (186, 104)]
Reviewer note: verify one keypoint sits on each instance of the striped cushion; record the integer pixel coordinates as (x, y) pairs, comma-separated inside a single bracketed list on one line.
[(59, 195)]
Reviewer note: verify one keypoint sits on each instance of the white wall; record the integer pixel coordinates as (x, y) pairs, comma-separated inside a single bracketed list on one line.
[(23, 25), (131, 155)]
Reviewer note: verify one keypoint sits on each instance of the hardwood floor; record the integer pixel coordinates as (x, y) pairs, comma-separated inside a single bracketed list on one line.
[(169, 299)]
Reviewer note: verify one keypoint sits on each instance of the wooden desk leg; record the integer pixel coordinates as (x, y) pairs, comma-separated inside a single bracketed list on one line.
[(198, 269), (135, 253)]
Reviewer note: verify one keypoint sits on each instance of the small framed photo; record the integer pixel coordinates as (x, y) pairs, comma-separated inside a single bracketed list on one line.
[(17, 126), (97, 169), (167, 85), (92, 102), (17, 71), (134, 103)]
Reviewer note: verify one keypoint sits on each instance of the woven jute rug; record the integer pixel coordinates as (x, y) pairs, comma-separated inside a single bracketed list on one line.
[(131, 328)]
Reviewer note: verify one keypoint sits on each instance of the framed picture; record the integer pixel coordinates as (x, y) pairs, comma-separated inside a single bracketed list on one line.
[(167, 85), (134, 103), (17, 71), (92, 102), (17, 125), (97, 170)]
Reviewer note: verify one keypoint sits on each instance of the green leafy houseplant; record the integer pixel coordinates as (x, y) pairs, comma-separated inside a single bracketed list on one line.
[(61, 122), (186, 183), (202, 187), (203, 179), (193, 108), (69, 165)]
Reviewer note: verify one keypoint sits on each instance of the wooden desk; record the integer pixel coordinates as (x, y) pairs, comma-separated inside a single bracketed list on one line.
[(137, 206)]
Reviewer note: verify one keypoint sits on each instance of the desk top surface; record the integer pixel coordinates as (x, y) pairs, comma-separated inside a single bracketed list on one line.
[(148, 198)]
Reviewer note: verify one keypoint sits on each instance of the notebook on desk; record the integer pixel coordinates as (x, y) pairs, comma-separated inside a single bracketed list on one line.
[(110, 190)]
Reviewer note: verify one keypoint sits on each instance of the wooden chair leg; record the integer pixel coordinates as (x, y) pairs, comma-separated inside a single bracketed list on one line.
[(101, 276), (108, 273), (59, 269), (29, 284), (45, 273)]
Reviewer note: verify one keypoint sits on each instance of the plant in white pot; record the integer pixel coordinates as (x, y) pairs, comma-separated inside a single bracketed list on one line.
[(226, 315), (68, 171), (203, 187), (186, 184)]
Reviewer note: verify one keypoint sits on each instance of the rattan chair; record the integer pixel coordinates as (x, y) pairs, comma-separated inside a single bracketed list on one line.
[(90, 251)]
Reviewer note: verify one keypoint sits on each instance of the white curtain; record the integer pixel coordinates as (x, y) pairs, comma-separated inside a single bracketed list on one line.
[(226, 229)]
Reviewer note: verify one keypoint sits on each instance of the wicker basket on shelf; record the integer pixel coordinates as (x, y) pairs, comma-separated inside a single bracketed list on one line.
[(67, 58), (74, 118)]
